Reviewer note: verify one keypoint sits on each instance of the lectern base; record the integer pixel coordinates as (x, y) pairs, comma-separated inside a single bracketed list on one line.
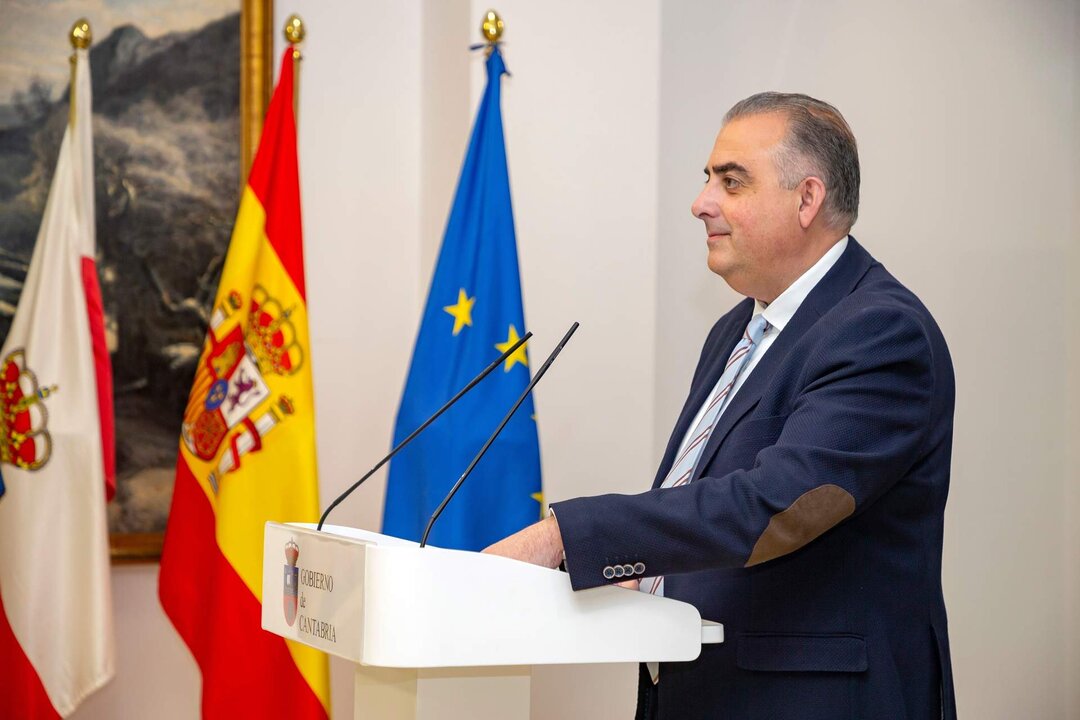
[(488, 693)]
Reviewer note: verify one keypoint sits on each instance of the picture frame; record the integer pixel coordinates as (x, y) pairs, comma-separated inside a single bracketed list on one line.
[(179, 96), (256, 85)]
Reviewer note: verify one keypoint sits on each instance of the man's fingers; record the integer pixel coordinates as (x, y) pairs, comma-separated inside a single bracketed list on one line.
[(630, 584)]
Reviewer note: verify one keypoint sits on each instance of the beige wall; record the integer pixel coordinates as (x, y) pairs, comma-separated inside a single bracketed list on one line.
[(1072, 392), (968, 117)]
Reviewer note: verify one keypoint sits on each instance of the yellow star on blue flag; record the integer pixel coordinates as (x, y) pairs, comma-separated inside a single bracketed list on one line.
[(461, 311), (518, 356)]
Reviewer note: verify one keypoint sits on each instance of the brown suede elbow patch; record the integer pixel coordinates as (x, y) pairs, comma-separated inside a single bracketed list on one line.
[(814, 512)]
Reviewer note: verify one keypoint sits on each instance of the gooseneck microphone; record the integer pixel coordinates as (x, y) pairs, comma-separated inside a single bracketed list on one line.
[(472, 383), (490, 440)]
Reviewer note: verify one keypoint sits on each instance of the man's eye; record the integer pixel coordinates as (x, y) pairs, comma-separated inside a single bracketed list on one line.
[(731, 183)]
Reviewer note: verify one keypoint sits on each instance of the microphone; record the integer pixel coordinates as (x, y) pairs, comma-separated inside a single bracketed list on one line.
[(472, 383), (490, 440)]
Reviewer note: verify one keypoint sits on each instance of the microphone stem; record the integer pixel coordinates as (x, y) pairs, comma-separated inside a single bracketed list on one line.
[(532, 383), (498, 361)]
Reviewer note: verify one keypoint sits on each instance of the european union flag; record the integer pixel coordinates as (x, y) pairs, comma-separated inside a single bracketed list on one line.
[(473, 314)]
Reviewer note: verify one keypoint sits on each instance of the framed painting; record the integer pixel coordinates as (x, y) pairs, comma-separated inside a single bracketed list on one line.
[(179, 94)]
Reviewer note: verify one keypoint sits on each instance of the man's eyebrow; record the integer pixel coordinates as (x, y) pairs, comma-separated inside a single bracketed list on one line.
[(729, 167)]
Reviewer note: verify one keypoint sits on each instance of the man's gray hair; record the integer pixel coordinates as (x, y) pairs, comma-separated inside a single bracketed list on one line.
[(819, 142)]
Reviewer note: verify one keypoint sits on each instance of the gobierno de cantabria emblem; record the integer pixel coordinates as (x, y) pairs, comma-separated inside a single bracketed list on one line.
[(291, 586), (230, 382), (24, 434)]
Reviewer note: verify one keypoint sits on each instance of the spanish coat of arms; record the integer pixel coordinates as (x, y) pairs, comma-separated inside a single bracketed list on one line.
[(231, 381)]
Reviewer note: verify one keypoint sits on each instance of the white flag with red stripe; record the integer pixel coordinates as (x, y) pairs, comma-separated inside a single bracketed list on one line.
[(56, 450)]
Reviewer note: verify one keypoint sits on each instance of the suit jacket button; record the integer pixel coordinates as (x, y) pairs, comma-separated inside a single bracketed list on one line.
[(639, 568), (609, 572), (628, 570), (620, 570)]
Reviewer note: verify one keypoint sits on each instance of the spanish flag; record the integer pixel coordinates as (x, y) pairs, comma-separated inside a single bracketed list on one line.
[(247, 451)]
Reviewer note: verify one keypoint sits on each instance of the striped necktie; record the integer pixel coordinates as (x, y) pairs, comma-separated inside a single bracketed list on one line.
[(686, 462)]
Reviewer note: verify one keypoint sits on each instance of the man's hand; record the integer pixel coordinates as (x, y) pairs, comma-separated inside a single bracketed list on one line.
[(539, 544)]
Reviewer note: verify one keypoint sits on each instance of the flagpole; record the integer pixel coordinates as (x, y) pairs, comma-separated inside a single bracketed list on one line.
[(80, 37), (294, 35), (492, 29)]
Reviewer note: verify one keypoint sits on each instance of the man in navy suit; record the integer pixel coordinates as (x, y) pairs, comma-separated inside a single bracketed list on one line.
[(801, 497)]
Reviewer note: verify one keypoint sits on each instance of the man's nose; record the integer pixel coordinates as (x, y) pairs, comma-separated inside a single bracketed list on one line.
[(704, 205)]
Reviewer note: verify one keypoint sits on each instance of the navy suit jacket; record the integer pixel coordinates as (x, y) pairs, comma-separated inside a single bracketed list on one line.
[(813, 526)]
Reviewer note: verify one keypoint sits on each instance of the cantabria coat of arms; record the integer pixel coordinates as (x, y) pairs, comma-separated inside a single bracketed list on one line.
[(225, 408), (24, 433), (291, 586)]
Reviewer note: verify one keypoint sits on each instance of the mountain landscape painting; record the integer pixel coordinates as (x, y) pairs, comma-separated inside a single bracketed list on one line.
[(166, 89)]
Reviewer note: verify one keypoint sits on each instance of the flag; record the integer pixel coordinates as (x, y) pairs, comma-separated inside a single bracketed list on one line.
[(247, 451), (56, 634), (473, 314)]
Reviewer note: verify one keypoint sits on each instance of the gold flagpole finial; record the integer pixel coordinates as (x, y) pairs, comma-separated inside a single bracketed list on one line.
[(294, 32), (492, 27), (81, 37), (294, 35)]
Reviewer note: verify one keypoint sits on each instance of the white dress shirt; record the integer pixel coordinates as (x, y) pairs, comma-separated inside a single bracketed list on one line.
[(778, 313)]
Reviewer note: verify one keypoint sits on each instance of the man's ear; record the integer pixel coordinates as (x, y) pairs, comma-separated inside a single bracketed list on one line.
[(811, 200)]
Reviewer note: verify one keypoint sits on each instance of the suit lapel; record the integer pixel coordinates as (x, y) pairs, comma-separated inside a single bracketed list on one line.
[(837, 283), (703, 387)]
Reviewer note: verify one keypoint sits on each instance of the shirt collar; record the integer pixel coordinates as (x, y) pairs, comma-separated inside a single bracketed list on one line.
[(780, 311)]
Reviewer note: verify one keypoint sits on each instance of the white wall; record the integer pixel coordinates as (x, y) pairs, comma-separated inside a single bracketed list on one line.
[(1072, 393), (359, 145), (446, 119), (155, 674), (967, 115)]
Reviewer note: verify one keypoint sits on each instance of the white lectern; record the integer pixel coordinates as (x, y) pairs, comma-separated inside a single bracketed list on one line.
[(449, 634)]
